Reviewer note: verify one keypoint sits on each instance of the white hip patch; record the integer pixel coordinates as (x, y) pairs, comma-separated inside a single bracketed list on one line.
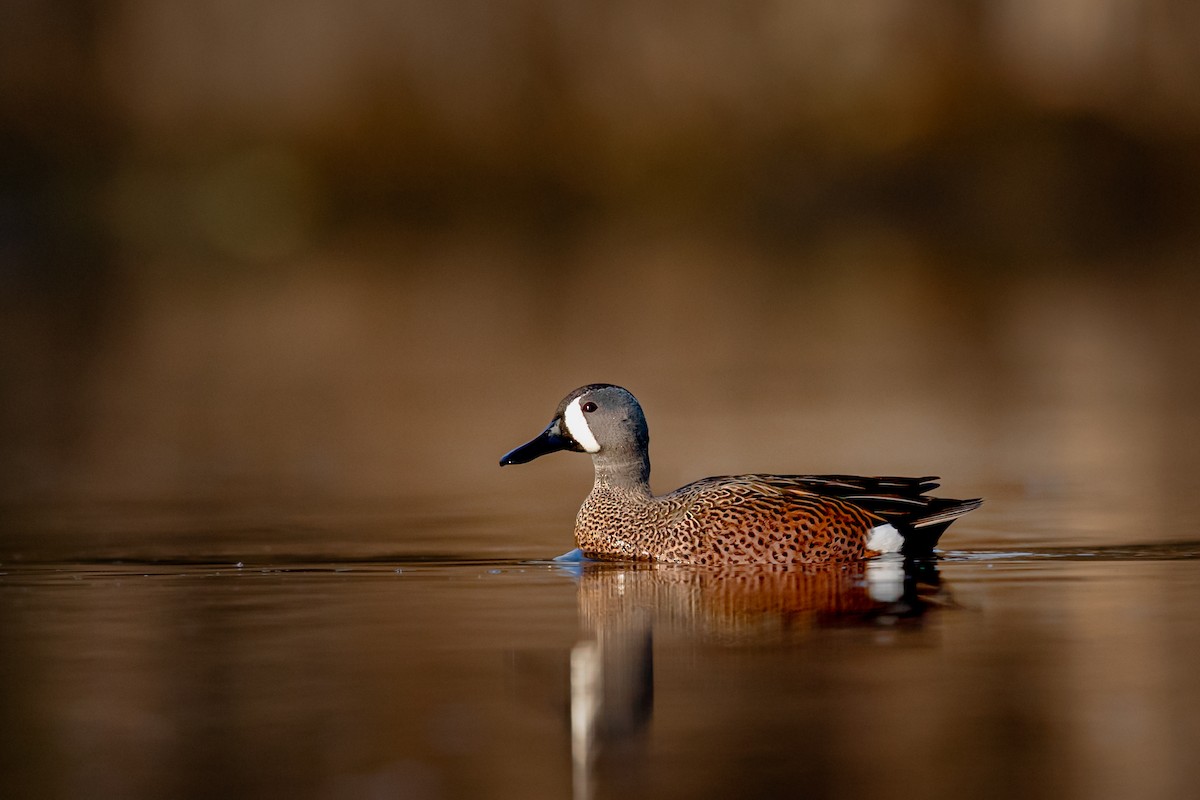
[(578, 428), (885, 539)]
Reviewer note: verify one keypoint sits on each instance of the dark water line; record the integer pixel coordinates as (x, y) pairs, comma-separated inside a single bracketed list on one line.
[(400, 562), (1163, 551)]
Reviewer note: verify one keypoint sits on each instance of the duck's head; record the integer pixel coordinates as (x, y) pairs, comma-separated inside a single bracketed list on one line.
[(600, 419)]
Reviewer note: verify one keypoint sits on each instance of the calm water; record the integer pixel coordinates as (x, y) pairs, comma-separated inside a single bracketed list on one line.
[(177, 652)]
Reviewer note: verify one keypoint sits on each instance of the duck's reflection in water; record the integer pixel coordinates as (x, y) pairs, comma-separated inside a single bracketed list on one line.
[(620, 605)]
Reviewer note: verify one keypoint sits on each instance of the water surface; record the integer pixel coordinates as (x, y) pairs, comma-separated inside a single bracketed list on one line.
[(221, 658)]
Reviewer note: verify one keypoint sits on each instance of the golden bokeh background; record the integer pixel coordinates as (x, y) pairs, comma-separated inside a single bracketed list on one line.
[(310, 252)]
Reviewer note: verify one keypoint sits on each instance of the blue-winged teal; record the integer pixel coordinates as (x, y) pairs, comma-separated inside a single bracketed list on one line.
[(760, 519)]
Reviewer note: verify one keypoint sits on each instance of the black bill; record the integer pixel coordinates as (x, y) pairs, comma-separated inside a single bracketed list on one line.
[(548, 441)]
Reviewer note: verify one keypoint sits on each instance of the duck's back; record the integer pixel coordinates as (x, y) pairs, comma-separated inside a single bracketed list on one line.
[(766, 519)]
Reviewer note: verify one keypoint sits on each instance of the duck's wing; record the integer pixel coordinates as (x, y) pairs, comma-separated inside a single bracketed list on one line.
[(901, 501)]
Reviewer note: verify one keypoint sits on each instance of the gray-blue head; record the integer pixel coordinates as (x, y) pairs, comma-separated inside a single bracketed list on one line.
[(601, 419)]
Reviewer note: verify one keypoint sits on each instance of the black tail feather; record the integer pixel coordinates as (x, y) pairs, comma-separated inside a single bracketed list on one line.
[(921, 534)]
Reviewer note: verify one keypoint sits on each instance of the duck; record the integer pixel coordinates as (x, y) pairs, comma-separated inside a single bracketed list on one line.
[(732, 519)]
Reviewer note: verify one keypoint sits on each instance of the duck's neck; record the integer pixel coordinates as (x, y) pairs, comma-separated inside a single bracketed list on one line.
[(626, 471)]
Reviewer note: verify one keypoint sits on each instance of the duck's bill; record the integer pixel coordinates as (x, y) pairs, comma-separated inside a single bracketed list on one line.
[(548, 441)]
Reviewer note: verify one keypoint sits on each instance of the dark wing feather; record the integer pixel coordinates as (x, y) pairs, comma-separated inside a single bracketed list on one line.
[(903, 502)]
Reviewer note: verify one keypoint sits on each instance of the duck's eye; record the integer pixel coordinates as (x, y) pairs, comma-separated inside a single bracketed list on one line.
[(589, 407)]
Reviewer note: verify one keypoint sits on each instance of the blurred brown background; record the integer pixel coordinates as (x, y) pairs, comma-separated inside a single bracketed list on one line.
[(316, 252)]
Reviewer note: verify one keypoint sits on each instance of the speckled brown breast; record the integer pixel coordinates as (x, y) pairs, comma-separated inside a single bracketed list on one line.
[(732, 520)]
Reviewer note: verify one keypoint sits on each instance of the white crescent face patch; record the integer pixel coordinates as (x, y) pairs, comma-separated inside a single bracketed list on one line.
[(578, 428)]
